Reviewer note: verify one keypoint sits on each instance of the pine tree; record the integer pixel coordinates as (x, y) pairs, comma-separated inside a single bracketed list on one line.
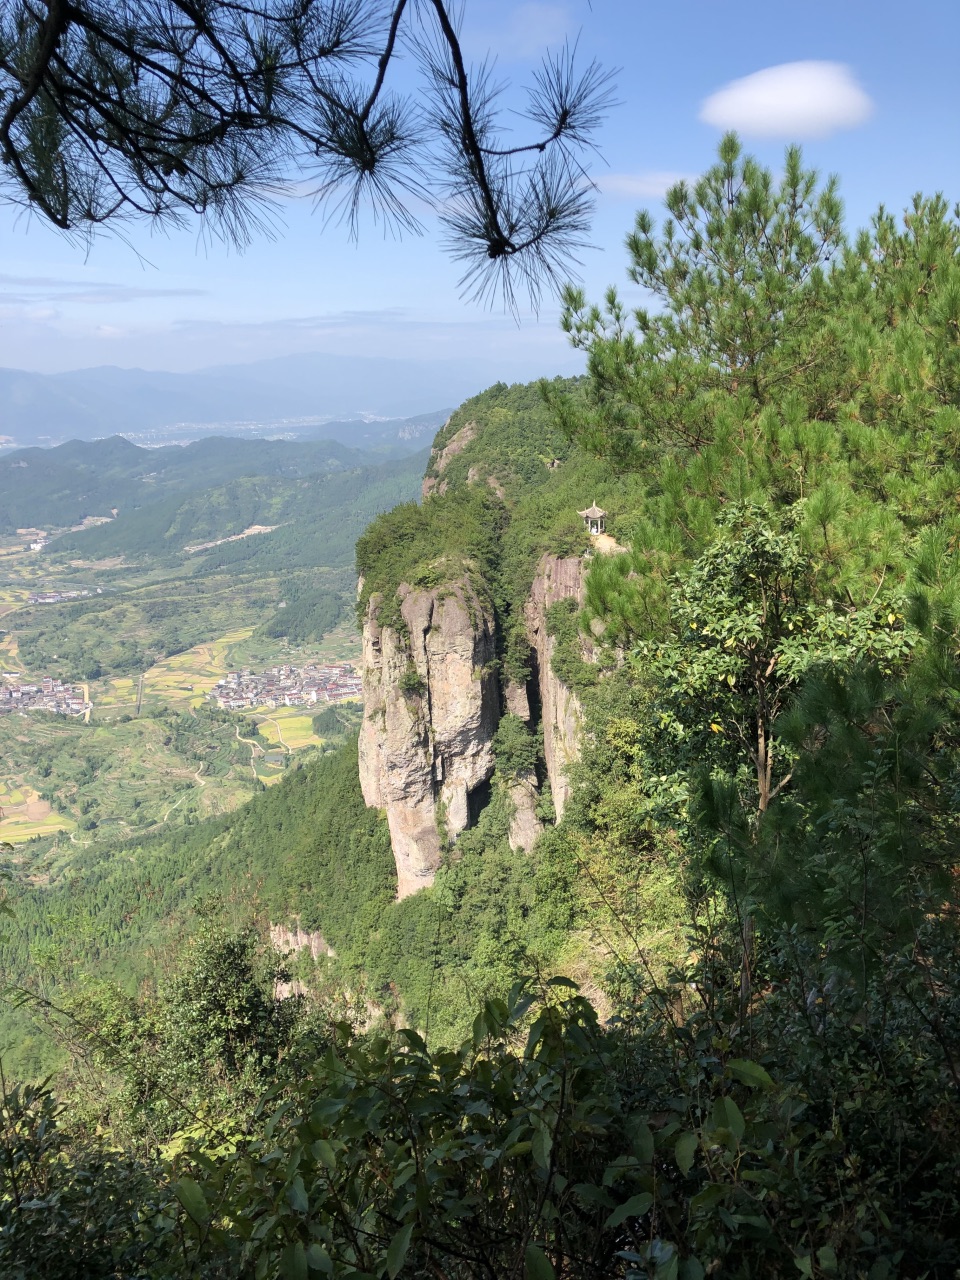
[(739, 274)]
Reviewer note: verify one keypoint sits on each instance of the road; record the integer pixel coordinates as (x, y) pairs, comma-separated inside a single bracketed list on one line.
[(276, 723), (200, 783), (254, 748)]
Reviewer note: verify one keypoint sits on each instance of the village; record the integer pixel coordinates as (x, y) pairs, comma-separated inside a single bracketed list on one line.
[(58, 597), (46, 695), (287, 686)]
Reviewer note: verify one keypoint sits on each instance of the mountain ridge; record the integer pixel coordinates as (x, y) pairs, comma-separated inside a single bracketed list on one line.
[(289, 392)]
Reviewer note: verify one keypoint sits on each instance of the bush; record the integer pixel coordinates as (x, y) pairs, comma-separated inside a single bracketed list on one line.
[(515, 747), (411, 683)]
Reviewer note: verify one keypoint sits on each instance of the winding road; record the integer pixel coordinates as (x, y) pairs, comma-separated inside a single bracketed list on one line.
[(254, 748), (276, 723)]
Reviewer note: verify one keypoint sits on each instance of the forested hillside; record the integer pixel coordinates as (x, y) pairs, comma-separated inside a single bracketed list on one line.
[(62, 486), (171, 578), (753, 883)]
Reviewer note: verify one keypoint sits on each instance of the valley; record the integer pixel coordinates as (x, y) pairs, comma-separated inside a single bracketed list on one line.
[(125, 643)]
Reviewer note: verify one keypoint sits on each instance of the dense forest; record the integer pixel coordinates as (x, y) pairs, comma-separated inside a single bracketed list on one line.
[(709, 1025)]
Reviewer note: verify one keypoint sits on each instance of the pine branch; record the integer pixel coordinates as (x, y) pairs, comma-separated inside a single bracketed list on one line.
[(166, 109)]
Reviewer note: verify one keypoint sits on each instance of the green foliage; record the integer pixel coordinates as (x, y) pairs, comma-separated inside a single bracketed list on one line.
[(337, 720), (411, 682), (504, 437), (208, 1041), (515, 747), (829, 400), (517, 1181), (71, 1204), (739, 272), (426, 546), (748, 623), (569, 665), (307, 615)]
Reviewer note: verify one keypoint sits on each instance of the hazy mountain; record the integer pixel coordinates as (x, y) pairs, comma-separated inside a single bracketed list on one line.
[(65, 484), (47, 409)]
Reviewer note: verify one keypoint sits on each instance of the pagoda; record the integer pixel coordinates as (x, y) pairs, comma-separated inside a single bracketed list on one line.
[(593, 518)]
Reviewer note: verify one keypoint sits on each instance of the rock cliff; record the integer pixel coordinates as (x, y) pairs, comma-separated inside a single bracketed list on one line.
[(431, 707), (432, 703), (285, 940), (433, 481), (433, 689), (560, 710), (525, 826)]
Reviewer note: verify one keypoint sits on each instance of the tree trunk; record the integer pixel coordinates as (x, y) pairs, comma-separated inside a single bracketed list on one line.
[(747, 927)]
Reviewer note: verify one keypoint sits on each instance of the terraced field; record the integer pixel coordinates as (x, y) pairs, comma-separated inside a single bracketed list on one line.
[(24, 816), (184, 679), (116, 777), (290, 728)]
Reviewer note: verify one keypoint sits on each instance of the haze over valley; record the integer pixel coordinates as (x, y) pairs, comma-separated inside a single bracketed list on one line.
[(361, 401)]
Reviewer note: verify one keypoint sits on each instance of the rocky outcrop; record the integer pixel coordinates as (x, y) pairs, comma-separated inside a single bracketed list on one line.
[(431, 707), (285, 940), (516, 699), (557, 579), (433, 481), (525, 826), (432, 703)]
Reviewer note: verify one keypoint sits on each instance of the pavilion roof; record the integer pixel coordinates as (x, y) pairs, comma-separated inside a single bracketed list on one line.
[(592, 513)]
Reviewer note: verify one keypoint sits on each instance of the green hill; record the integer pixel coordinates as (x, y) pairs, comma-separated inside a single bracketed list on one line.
[(164, 598), (329, 505), (64, 485)]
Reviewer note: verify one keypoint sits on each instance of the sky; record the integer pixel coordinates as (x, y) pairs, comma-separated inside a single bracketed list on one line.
[(868, 87)]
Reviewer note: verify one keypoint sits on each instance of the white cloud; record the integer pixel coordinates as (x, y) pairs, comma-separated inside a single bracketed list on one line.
[(651, 184), (794, 100), (23, 289), (493, 347)]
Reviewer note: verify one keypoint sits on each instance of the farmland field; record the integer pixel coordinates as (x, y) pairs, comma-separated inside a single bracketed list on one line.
[(160, 627), (24, 816), (179, 759)]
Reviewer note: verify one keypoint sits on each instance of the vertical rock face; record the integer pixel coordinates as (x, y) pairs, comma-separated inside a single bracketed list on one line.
[(431, 707), (284, 939), (525, 826), (557, 579), (433, 482), (432, 703)]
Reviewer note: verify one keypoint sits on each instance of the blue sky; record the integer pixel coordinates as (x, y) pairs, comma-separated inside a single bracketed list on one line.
[(884, 115)]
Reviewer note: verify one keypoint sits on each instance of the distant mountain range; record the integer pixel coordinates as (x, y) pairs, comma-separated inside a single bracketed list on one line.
[(305, 396), (66, 484)]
